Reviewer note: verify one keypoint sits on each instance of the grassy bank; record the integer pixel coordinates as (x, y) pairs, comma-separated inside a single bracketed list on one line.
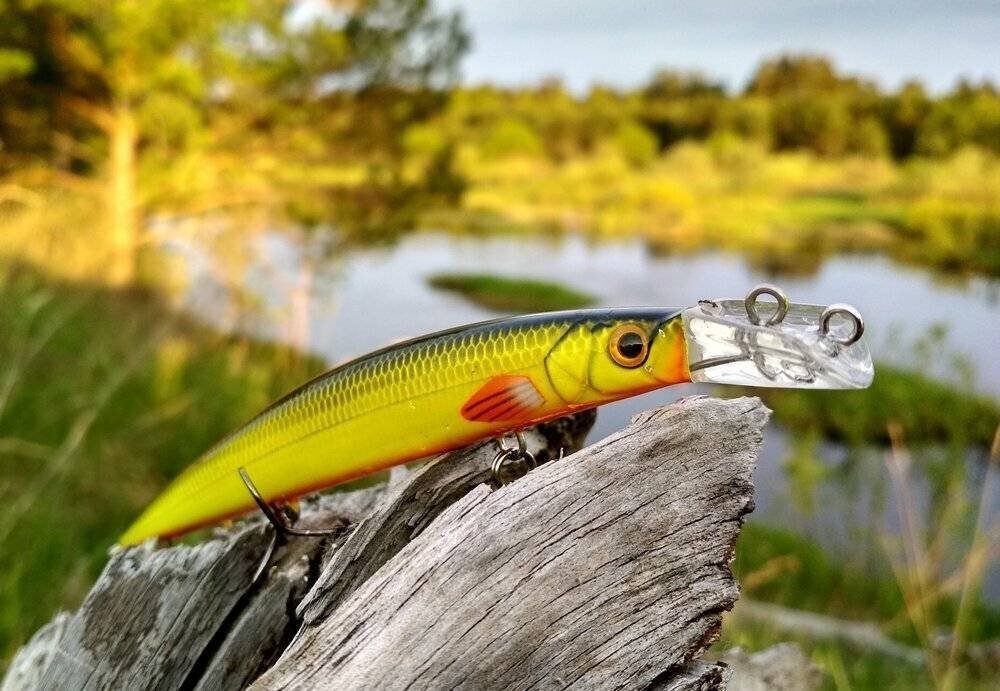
[(924, 410), (104, 396), (776, 566), (784, 211), (505, 294)]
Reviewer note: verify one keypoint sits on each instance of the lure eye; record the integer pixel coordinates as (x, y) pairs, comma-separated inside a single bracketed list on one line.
[(628, 346)]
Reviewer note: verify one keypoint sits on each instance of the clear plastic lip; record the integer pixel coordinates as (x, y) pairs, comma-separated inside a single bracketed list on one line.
[(799, 350)]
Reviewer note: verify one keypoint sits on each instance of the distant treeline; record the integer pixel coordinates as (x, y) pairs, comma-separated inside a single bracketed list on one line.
[(791, 102), (142, 110)]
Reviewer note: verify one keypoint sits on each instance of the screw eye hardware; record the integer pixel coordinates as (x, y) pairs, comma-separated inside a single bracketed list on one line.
[(850, 313), (751, 304)]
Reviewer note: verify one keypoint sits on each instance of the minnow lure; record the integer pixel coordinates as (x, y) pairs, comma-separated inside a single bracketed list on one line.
[(446, 390)]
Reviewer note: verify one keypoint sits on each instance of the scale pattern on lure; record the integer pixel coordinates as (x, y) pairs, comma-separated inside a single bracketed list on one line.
[(423, 397), (447, 390)]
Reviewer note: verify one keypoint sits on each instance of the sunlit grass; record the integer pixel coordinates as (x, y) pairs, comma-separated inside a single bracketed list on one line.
[(939, 563), (925, 410), (104, 397), (740, 198), (837, 598), (55, 221), (506, 294)]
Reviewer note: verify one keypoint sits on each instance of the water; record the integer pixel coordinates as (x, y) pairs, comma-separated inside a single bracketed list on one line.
[(373, 296), (347, 304)]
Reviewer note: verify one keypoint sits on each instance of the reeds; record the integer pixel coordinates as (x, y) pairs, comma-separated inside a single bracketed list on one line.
[(930, 566)]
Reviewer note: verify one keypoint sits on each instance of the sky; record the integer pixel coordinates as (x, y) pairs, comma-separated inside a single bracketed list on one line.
[(621, 42)]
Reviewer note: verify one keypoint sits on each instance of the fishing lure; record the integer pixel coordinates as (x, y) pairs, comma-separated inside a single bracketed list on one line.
[(446, 390)]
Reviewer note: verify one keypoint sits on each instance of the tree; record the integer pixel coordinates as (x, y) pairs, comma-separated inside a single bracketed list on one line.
[(666, 83), (968, 115), (815, 107), (120, 69), (906, 112), (102, 64), (794, 74), (637, 145)]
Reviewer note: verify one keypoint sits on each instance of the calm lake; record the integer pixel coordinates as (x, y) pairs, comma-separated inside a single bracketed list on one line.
[(343, 304)]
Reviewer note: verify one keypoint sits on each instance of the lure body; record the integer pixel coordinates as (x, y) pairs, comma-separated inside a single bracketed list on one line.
[(426, 396)]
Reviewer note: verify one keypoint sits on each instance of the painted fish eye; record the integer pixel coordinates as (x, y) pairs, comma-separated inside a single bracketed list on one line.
[(628, 345)]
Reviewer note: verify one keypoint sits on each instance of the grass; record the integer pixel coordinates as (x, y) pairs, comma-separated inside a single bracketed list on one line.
[(777, 566), (504, 294), (104, 396), (927, 411), (784, 211), (844, 667)]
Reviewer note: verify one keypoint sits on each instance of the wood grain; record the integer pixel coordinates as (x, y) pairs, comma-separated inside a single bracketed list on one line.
[(606, 569)]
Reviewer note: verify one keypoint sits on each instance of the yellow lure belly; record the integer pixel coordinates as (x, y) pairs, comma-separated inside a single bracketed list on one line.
[(426, 396)]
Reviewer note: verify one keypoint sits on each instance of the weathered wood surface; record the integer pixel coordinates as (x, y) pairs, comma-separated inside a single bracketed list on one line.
[(606, 569), (187, 617), (782, 667)]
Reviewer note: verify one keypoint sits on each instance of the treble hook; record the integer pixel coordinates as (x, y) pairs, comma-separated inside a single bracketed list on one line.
[(281, 517)]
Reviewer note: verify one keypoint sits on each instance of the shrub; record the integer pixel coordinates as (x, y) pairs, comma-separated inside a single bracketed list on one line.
[(636, 144)]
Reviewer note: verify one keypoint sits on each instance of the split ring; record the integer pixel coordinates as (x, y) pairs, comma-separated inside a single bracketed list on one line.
[(504, 456)]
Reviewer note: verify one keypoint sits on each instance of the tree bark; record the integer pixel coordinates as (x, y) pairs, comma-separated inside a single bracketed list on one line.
[(605, 569)]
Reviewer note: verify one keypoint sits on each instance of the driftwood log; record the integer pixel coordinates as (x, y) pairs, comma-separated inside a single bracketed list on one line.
[(605, 569)]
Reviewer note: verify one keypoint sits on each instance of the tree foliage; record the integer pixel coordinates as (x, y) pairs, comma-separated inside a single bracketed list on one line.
[(124, 88), (793, 102), (65, 64), (175, 105)]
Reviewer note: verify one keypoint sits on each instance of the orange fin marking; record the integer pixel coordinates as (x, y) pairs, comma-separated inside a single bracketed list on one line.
[(507, 398)]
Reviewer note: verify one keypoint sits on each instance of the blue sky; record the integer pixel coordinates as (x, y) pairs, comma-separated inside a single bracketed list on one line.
[(587, 41)]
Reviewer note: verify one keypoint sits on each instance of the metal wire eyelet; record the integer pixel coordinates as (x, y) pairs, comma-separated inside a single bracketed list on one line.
[(751, 304), (848, 311)]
